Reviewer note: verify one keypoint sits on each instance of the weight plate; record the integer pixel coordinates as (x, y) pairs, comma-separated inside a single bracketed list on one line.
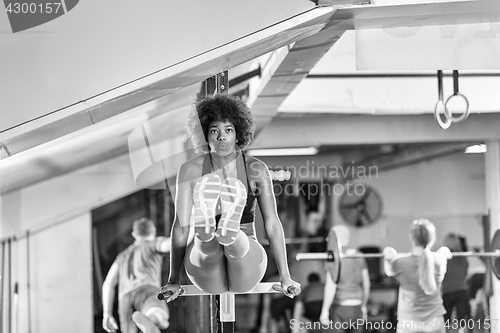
[(333, 265), (494, 247)]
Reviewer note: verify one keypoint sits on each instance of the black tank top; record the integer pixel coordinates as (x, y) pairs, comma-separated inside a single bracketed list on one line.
[(241, 171)]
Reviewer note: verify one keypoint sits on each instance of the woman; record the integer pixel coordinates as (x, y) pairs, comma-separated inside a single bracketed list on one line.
[(221, 190), (455, 289), (420, 274), (345, 301)]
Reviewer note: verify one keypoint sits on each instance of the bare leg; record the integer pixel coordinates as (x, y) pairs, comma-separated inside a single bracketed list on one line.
[(266, 310), (144, 323), (246, 272), (158, 316), (206, 271), (125, 310), (240, 246), (274, 326), (209, 248)]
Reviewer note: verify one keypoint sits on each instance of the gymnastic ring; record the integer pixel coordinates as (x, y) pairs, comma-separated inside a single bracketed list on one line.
[(448, 113), (443, 124)]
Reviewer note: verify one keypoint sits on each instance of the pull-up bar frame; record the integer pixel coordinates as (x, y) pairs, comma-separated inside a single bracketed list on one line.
[(227, 300)]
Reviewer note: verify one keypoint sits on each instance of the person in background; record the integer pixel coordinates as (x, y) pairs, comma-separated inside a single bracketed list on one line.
[(137, 272), (420, 274), (346, 300), (308, 304), (281, 312), (276, 310), (455, 291), (476, 279)]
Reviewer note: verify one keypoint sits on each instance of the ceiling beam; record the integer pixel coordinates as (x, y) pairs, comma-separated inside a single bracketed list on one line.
[(409, 155), (301, 57), (164, 82), (324, 26), (304, 54), (394, 15), (328, 129)]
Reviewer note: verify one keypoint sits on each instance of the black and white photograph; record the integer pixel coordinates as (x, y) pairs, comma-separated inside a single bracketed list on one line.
[(284, 166)]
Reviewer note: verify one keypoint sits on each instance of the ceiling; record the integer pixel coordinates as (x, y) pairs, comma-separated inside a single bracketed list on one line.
[(308, 80)]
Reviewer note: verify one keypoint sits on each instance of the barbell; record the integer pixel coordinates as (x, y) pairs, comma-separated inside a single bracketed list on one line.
[(334, 255)]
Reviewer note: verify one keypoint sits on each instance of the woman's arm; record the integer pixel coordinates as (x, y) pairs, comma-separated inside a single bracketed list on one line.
[(272, 224), (181, 225), (366, 291), (328, 296), (163, 244), (389, 254), (442, 267), (108, 297)]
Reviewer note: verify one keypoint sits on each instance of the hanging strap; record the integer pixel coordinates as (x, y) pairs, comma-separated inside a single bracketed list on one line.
[(207, 167)]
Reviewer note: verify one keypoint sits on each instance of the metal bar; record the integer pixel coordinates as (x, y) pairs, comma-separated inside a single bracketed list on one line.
[(15, 310), (227, 308), (394, 75), (227, 300), (299, 240), (28, 278), (476, 254), (261, 288), (213, 313), (227, 327), (222, 83), (216, 84), (222, 87), (2, 280), (314, 256), (440, 84), (245, 77), (9, 286), (97, 260), (455, 82), (361, 255), (15, 325), (328, 256)]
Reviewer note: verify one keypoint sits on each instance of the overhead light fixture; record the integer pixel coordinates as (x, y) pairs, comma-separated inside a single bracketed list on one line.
[(476, 149), (283, 151), (280, 175)]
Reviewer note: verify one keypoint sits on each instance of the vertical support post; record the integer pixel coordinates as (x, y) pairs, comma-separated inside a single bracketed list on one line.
[(2, 272), (219, 84), (492, 170), (9, 286), (2, 278), (15, 315), (205, 307), (222, 83), (28, 279), (227, 312)]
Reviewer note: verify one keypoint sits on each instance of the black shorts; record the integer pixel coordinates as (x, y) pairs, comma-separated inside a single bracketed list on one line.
[(280, 305), (141, 299), (313, 310)]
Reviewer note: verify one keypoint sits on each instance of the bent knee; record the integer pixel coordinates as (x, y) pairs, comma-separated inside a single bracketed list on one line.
[(163, 324), (159, 317)]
